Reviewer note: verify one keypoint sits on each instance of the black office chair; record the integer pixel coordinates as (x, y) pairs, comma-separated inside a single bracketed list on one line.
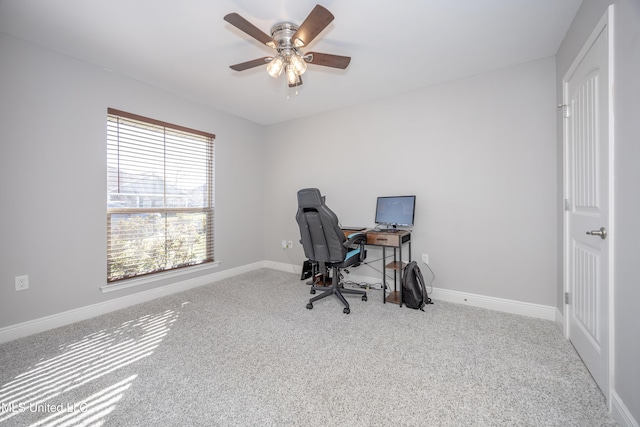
[(324, 243)]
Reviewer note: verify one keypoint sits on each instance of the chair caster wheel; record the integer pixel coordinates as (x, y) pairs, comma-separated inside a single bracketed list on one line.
[(364, 297), (313, 291), (346, 310), (309, 306)]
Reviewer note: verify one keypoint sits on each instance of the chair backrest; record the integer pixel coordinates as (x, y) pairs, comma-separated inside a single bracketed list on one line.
[(321, 236)]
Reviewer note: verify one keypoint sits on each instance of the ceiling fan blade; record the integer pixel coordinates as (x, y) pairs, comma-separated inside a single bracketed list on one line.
[(250, 64), (317, 21), (328, 60), (243, 25)]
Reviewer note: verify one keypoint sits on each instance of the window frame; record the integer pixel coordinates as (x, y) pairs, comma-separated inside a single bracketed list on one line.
[(208, 210)]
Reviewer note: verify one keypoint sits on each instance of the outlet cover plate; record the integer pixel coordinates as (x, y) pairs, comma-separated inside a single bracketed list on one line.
[(22, 283)]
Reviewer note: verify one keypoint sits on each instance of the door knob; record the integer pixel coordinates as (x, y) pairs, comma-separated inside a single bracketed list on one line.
[(602, 233)]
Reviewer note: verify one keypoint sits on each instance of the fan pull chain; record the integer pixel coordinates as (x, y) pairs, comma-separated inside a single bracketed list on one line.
[(295, 92)]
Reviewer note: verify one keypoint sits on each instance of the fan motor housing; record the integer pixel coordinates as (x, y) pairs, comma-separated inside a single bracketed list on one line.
[(282, 33)]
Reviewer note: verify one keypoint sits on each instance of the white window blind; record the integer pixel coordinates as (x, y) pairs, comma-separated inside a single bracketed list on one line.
[(160, 196)]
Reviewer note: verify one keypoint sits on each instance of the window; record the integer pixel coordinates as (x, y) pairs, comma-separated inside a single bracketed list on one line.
[(160, 196)]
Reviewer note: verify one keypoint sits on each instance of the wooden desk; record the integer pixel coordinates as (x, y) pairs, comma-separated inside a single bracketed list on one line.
[(395, 240)]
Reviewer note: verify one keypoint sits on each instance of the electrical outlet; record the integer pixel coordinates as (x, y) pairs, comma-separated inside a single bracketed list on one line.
[(425, 258), (22, 283), (284, 244), (289, 244)]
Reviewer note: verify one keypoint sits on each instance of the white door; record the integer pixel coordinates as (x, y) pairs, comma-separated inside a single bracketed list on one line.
[(586, 120)]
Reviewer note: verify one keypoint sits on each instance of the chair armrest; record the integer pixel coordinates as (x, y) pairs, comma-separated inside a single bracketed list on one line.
[(355, 239)]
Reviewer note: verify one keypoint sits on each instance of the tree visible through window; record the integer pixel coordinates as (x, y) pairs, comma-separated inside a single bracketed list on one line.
[(160, 196)]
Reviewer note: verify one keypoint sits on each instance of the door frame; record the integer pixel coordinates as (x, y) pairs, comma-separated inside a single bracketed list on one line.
[(606, 22)]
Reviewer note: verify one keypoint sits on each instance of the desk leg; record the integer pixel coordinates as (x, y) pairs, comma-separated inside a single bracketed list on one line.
[(395, 270), (401, 274), (384, 276)]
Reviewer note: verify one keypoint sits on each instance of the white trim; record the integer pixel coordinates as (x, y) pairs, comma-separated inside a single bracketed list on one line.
[(128, 283), (560, 321), (621, 413), (82, 313), (539, 311), (612, 215), (282, 266), (498, 304), (565, 213), (46, 323)]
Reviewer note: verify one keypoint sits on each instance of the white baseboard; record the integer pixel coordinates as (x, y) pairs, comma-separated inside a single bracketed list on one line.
[(46, 323), (560, 323), (65, 318), (491, 303), (283, 266), (620, 412), (498, 304)]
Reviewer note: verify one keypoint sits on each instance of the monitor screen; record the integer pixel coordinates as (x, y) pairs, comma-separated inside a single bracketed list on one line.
[(395, 210)]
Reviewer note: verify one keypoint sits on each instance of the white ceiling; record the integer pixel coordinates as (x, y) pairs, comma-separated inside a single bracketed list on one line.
[(185, 47)]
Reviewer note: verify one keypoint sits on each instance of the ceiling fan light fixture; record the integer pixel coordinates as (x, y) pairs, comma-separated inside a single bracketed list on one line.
[(274, 68), (288, 39), (292, 76), (298, 64), (297, 82)]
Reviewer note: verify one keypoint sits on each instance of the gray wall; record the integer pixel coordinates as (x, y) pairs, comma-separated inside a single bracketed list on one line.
[(479, 153), (626, 102), (53, 168)]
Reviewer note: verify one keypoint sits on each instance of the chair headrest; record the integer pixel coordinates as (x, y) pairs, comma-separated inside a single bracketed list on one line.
[(310, 197)]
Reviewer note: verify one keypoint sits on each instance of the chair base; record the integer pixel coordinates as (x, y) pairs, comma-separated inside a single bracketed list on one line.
[(335, 290)]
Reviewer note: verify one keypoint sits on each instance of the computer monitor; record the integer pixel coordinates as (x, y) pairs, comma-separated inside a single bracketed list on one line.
[(393, 211)]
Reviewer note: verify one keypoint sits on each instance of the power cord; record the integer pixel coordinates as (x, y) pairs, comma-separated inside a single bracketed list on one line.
[(293, 265), (363, 285), (388, 272), (433, 277)]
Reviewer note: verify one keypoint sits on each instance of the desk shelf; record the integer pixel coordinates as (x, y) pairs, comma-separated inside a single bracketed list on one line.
[(394, 297), (396, 265)]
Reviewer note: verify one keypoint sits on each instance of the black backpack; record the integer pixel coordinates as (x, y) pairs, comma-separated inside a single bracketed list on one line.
[(414, 292)]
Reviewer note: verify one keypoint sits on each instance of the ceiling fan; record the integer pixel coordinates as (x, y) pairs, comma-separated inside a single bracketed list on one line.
[(288, 39)]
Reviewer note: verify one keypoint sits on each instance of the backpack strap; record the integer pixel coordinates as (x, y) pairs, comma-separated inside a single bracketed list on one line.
[(418, 275)]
